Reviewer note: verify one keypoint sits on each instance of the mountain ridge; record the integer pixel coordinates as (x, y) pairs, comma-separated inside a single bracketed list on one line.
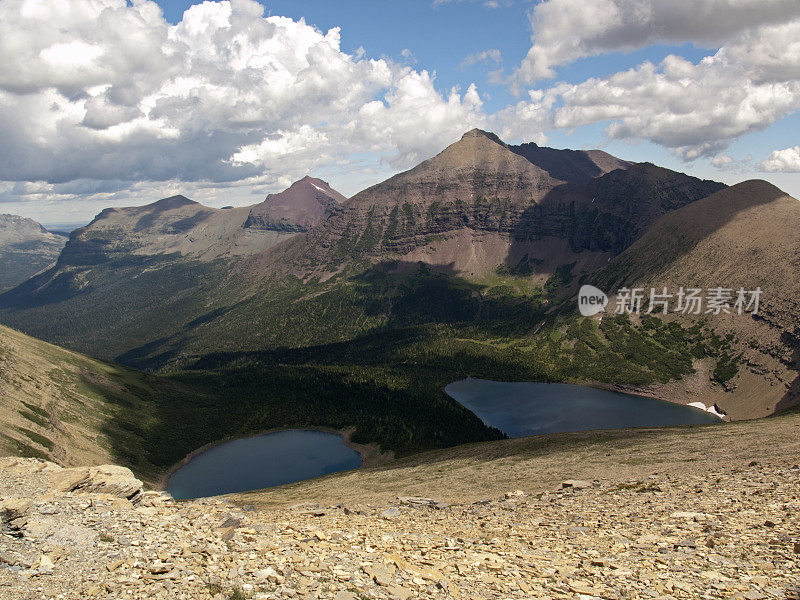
[(739, 238), (26, 248), (153, 267)]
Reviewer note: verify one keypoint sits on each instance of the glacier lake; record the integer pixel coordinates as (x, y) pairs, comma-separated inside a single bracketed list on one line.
[(262, 461), (519, 409)]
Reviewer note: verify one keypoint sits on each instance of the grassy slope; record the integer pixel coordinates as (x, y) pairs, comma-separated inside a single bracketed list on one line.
[(487, 470), (67, 407)]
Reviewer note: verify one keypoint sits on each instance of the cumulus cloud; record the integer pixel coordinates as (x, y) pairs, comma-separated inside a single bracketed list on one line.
[(751, 81), (722, 161), (110, 91), (415, 117), (567, 30), (728, 164), (782, 161), (97, 95), (408, 56)]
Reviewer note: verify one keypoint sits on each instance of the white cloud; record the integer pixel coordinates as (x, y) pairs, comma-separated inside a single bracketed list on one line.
[(696, 110), (782, 161), (722, 161), (416, 119), (484, 56), (727, 164), (408, 56), (751, 81), (99, 96), (104, 90), (567, 30)]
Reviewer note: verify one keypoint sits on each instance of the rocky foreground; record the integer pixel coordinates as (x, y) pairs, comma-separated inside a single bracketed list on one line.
[(93, 533)]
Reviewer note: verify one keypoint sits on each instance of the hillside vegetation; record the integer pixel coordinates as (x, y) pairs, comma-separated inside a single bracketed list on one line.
[(73, 409)]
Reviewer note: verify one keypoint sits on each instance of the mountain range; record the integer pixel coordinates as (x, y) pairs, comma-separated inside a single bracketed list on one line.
[(466, 264), (481, 202), (134, 271)]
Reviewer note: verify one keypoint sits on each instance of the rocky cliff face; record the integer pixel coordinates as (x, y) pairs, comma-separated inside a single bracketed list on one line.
[(595, 202)]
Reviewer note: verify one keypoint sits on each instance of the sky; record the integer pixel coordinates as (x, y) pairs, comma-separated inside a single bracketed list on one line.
[(120, 102)]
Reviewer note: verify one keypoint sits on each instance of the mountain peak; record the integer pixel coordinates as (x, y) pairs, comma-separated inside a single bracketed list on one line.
[(299, 207), (478, 133), (758, 186), (172, 202), (320, 184)]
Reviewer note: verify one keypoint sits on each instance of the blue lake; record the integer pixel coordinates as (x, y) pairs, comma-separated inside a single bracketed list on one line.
[(262, 461), (521, 409)]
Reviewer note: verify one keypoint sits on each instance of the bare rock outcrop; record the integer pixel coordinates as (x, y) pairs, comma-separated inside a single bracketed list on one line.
[(106, 479)]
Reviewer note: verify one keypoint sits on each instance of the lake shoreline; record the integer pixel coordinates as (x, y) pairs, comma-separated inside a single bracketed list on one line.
[(532, 408), (630, 390), (370, 454)]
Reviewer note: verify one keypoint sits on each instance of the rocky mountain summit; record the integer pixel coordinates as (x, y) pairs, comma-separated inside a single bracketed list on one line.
[(92, 533), (300, 207)]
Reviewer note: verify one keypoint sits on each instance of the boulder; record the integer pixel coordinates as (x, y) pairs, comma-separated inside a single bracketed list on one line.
[(105, 479), (418, 502), (14, 513), (390, 513)]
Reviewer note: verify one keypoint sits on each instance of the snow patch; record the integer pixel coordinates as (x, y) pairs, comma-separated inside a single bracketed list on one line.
[(710, 409)]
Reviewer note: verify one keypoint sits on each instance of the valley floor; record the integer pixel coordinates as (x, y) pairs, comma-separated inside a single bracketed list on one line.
[(709, 512)]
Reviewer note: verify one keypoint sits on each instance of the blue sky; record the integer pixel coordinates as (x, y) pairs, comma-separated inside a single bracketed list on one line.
[(225, 103)]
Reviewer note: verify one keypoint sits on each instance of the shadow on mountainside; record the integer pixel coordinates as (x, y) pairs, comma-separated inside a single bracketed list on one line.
[(792, 397), (574, 166), (610, 213), (161, 351), (396, 409), (676, 234), (49, 287), (385, 297), (117, 308)]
